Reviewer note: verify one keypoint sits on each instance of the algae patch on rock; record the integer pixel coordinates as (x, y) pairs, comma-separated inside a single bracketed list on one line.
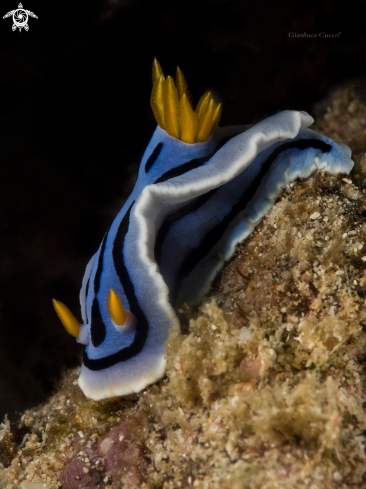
[(266, 386)]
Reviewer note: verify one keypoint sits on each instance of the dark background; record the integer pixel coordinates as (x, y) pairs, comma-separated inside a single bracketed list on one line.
[(75, 119)]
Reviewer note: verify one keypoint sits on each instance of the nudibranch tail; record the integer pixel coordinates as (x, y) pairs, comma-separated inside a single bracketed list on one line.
[(69, 321), (171, 105), (116, 309)]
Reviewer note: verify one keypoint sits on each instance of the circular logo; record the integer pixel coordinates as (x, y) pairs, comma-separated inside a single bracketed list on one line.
[(20, 17)]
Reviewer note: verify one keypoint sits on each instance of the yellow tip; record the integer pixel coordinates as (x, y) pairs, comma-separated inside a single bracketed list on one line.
[(171, 108), (188, 121), (205, 122), (69, 321), (157, 100), (156, 70), (115, 308), (216, 118), (180, 83), (202, 104)]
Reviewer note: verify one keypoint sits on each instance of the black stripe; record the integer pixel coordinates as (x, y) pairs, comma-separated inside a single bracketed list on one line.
[(153, 157), (216, 233), (86, 295), (193, 206), (142, 325), (192, 164), (97, 327), (98, 273), (87, 288)]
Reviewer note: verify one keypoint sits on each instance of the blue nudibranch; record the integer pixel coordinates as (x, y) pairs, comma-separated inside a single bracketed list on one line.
[(200, 190)]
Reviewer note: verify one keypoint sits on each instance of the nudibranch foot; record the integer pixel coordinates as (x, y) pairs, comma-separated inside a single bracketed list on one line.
[(123, 378), (200, 190)]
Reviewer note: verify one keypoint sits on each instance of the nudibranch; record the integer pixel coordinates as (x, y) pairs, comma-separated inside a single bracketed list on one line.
[(200, 190)]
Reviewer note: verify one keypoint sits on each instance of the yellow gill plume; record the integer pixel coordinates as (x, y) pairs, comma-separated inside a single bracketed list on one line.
[(69, 321), (156, 70), (115, 308), (181, 84), (188, 121), (172, 108), (202, 104), (216, 118), (157, 100), (205, 122)]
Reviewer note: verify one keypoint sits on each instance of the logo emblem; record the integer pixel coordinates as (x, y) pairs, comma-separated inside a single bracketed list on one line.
[(20, 17)]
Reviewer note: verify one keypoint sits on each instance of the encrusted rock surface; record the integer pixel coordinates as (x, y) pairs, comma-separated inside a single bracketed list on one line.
[(265, 388)]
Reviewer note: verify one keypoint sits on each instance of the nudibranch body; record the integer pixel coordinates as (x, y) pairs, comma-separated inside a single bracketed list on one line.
[(200, 190)]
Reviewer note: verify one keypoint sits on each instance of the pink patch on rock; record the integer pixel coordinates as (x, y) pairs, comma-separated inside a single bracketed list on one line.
[(123, 452), (79, 473), (120, 454)]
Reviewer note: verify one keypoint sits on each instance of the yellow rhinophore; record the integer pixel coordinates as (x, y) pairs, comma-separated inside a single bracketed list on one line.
[(115, 308), (69, 321), (171, 105)]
